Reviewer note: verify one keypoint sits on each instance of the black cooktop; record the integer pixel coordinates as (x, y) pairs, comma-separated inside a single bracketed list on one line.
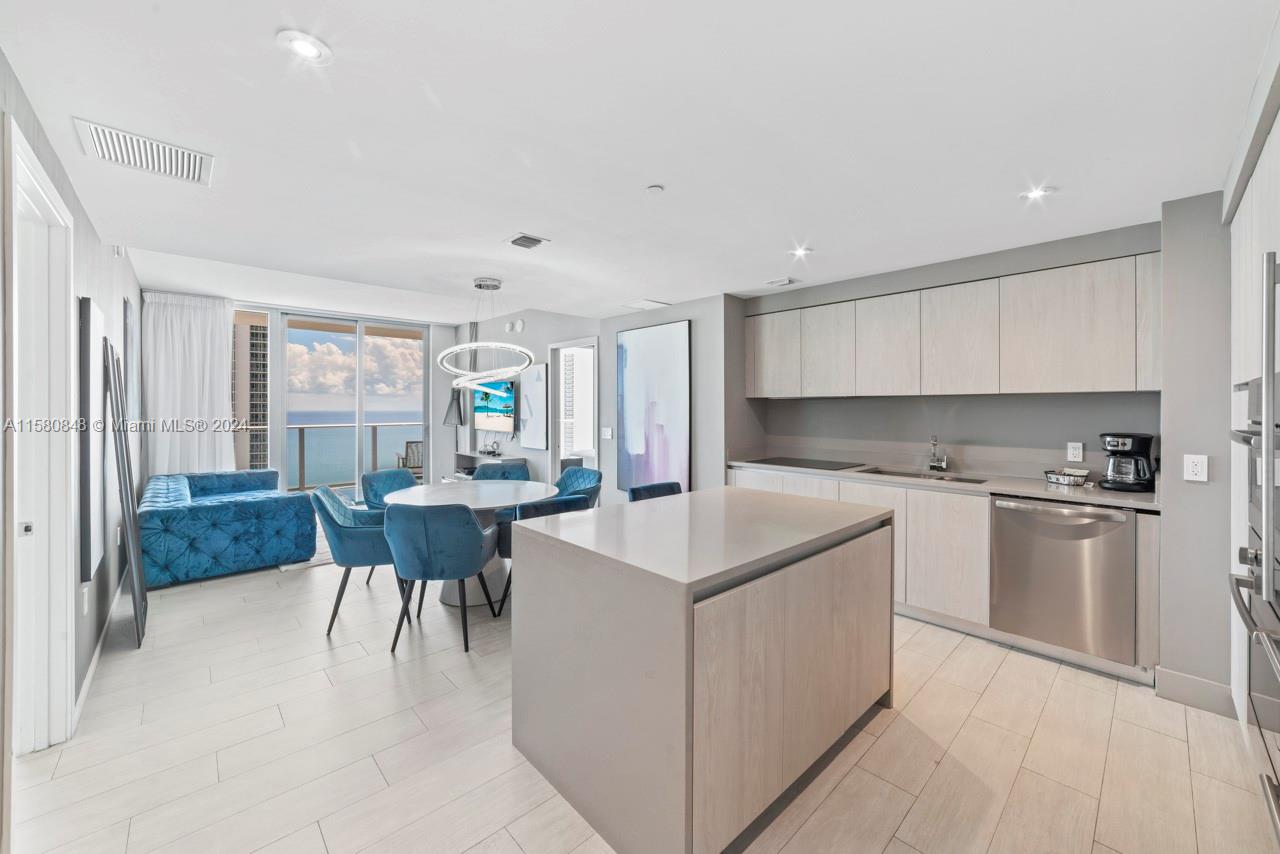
[(798, 463)]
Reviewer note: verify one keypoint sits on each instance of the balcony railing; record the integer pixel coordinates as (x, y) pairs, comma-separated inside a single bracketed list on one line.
[(330, 450)]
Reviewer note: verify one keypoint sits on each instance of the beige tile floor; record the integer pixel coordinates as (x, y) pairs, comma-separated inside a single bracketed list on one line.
[(240, 727)]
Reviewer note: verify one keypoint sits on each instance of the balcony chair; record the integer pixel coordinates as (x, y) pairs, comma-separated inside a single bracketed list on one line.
[(546, 507), (411, 459), (653, 490), (377, 485), (441, 543), (355, 538)]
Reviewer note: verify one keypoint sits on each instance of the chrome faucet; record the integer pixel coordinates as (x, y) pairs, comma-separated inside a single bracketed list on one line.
[(936, 463)]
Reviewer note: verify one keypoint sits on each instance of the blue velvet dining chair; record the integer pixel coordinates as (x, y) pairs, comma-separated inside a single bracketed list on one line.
[(576, 480), (354, 535), (653, 490), (504, 470), (533, 510), (440, 543), (377, 485)]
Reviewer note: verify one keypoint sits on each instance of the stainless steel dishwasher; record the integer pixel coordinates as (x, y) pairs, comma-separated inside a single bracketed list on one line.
[(1065, 574)]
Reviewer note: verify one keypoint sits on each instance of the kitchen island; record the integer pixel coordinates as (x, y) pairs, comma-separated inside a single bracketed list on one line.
[(677, 663)]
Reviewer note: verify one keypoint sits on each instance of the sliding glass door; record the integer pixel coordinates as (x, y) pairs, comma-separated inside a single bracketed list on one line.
[(354, 400), (392, 404)]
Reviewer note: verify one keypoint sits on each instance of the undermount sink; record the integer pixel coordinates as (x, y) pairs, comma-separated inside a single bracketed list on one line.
[(923, 475)]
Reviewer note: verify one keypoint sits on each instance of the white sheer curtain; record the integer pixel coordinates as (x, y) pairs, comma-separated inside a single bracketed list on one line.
[(186, 375)]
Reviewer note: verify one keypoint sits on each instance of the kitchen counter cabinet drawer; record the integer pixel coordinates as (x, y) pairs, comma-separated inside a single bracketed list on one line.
[(949, 554)]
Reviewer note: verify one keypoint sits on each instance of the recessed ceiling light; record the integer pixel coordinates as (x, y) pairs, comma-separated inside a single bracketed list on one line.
[(654, 189), (801, 251), (1037, 193), (305, 46), (781, 283)]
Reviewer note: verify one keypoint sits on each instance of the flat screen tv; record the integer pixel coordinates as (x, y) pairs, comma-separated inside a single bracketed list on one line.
[(493, 406)]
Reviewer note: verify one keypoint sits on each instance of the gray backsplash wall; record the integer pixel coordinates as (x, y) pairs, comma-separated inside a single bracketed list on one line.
[(1010, 420), (1011, 434)]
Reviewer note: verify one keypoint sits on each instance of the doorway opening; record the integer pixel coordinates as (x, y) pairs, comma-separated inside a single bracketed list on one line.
[(574, 406)]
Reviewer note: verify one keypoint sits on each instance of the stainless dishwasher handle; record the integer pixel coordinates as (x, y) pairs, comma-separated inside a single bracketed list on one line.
[(1092, 514)]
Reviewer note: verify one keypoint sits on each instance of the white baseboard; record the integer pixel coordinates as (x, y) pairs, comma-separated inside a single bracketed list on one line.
[(93, 663)]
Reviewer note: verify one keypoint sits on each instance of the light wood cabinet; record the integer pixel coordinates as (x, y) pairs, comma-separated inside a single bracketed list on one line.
[(949, 554), (853, 492), (1069, 329), (1149, 287), (960, 339), (887, 345), (738, 690), (827, 350), (810, 486), (772, 349), (841, 594), (751, 479), (782, 667)]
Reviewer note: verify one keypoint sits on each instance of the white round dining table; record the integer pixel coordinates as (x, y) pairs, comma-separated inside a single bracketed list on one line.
[(484, 497)]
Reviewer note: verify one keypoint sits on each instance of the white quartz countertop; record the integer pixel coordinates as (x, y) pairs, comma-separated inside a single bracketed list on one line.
[(711, 538), (1025, 487)]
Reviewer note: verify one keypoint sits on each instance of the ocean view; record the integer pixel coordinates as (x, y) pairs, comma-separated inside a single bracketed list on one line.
[(331, 451)]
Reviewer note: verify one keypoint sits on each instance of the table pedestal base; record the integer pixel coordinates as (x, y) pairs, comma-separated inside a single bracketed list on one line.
[(495, 575)]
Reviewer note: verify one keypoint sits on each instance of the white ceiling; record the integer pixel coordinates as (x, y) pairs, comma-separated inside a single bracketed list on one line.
[(885, 135)]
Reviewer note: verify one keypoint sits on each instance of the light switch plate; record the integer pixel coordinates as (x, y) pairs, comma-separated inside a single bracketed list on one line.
[(1075, 452), (606, 432), (1195, 467)]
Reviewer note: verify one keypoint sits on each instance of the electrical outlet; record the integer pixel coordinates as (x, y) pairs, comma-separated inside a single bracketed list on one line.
[(606, 432), (1075, 452), (1195, 467)]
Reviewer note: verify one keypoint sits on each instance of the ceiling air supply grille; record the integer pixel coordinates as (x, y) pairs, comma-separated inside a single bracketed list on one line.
[(528, 241), (140, 152)]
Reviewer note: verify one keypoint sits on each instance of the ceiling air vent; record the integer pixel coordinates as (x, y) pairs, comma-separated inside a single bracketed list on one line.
[(149, 155), (647, 304), (528, 241)]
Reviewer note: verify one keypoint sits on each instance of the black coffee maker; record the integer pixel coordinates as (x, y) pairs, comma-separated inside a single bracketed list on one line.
[(1129, 467)]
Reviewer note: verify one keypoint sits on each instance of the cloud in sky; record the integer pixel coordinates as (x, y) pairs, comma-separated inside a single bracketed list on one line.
[(392, 368)]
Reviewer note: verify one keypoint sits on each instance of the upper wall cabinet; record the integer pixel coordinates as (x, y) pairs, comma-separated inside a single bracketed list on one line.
[(960, 339), (887, 345), (1069, 329), (826, 350), (1149, 319), (773, 343)]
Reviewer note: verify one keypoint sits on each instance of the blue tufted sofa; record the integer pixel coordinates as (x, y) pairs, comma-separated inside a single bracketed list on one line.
[(196, 526)]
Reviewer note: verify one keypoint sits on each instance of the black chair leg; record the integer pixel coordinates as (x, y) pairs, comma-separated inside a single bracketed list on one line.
[(404, 612), (370, 578), (400, 582), (462, 603), (506, 591), (422, 594), (342, 588), (484, 585)]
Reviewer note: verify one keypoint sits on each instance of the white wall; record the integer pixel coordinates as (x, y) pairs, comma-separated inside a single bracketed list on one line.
[(541, 330), (707, 334)]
